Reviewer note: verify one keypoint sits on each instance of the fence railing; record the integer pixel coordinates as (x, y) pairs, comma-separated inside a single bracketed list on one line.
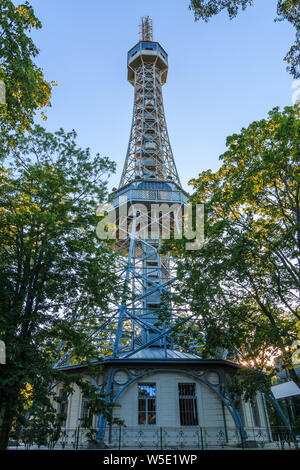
[(164, 438), (152, 195)]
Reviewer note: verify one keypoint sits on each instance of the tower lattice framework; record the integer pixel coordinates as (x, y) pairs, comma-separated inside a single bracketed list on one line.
[(149, 154), (151, 198), (148, 206)]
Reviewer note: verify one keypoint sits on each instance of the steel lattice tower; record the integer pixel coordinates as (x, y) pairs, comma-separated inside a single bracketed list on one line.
[(149, 155), (151, 185), (148, 206)]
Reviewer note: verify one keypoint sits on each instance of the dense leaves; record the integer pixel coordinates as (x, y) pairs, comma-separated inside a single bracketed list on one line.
[(26, 89), (55, 273), (286, 10)]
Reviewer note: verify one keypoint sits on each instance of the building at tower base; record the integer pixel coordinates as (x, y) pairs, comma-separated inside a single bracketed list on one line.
[(173, 402)]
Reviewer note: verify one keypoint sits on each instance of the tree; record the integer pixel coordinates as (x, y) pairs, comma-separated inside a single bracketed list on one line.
[(286, 10), (54, 270), (26, 89), (243, 286)]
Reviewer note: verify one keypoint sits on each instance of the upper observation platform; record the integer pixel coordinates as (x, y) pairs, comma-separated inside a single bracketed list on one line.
[(147, 52)]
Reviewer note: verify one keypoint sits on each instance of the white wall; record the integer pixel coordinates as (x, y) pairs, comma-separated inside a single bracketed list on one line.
[(210, 413), (167, 401)]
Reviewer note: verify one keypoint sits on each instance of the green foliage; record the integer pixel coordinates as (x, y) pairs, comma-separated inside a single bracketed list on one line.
[(26, 89), (286, 10), (205, 9), (44, 428), (243, 285), (247, 382), (54, 270)]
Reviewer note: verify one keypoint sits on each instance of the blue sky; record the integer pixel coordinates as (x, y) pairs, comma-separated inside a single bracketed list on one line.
[(222, 74)]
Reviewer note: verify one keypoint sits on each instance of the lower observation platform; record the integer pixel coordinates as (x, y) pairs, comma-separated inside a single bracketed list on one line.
[(150, 192)]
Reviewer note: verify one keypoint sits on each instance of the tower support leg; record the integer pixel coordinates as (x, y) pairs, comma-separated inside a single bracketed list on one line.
[(102, 421)]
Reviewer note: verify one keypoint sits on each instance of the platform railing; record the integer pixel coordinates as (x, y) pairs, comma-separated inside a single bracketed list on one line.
[(167, 438), (157, 195)]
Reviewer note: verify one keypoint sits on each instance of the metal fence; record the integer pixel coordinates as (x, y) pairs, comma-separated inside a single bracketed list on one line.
[(168, 438), (152, 195)]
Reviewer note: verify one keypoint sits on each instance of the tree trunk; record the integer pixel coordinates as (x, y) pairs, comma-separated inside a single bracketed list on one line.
[(7, 422)]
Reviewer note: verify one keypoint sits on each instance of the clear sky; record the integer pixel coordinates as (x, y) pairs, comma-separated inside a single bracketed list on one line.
[(222, 74)]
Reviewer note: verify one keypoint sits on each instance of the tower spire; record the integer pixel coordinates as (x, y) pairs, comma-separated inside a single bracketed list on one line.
[(146, 29)]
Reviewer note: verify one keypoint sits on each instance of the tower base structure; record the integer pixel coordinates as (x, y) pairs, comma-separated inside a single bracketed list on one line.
[(174, 402)]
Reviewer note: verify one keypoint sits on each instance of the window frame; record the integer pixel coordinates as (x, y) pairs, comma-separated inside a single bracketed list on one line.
[(63, 405), (146, 399), (85, 410), (256, 419), (188, 413)]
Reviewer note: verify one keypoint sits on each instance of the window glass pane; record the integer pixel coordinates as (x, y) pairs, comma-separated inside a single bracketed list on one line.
[(151, 404), (142, 405), (151, 418), (134, 51), (149, 46), (142, 418), (188, 404), (63, 405), (86, 413), (187, 389), (255, 413), (147, 390), (147, 403)]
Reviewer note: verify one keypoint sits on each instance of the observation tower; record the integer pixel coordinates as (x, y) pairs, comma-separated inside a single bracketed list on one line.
[(149, 201), (167, 395)]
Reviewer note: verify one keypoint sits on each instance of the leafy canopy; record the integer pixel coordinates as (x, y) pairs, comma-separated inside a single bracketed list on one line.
[(244, 284), (26, 89), (57, 279)]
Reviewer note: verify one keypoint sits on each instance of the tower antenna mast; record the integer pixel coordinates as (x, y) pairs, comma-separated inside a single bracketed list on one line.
[(146, 29)]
